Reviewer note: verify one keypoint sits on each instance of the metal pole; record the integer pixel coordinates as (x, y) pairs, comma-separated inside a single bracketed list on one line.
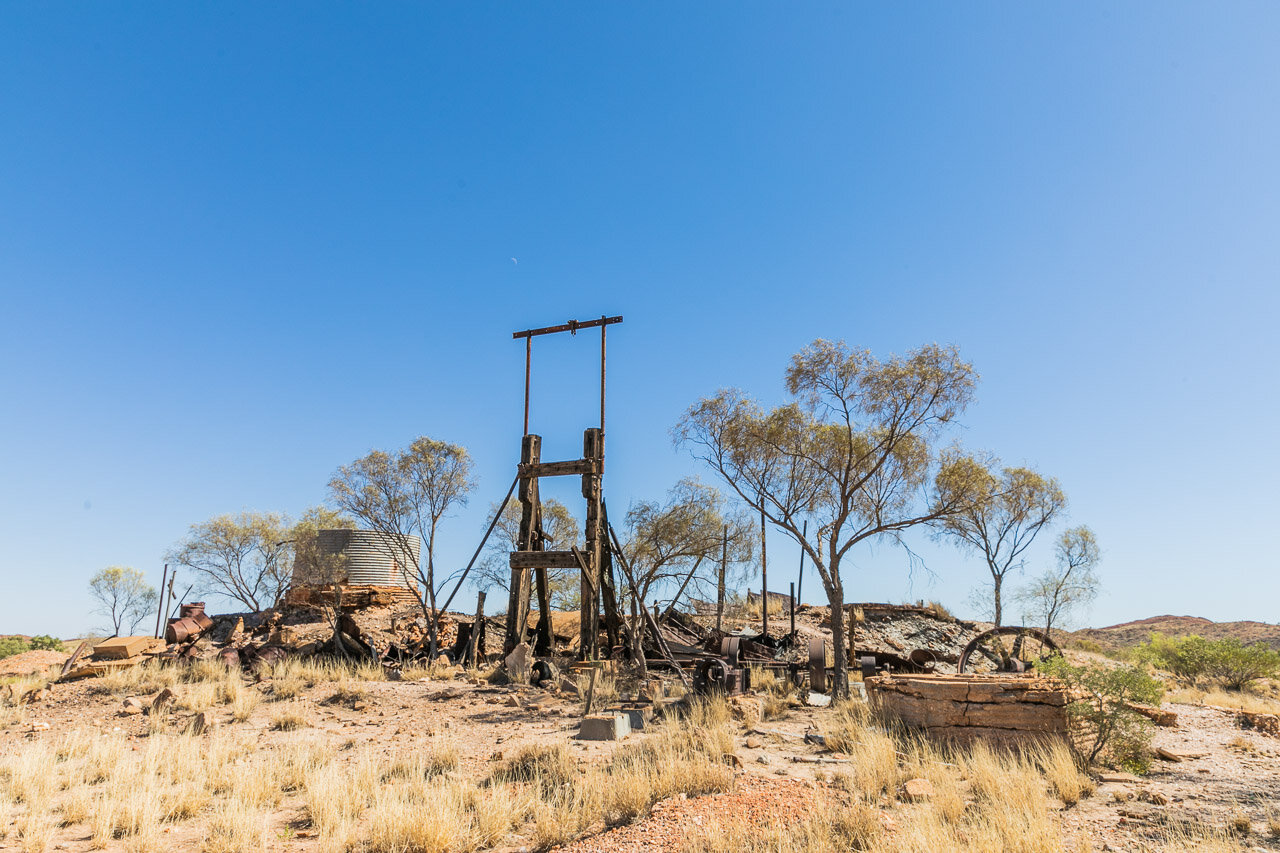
[(804, 534), (160, 609), (528, 366), (602, 331), (484, 539), (764, 577), (172, 578), (724, 564)]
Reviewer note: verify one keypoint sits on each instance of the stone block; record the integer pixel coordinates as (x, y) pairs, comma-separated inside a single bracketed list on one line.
[(605, 727)]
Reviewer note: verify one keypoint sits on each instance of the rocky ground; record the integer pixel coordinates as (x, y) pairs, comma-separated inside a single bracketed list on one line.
[(1227, 777), (1217, 775)]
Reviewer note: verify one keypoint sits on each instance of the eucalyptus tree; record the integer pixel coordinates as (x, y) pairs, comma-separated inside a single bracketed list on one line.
[(561, 531), (857, 451), (246, 557), (404, 494), (123, 596), (1054, 596), (674, 547), (1014, 506)]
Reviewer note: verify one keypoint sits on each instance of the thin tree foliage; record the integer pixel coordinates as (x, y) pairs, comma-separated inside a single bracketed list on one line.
[(247, 557), (561, 531), (672, 549), (1012, 507), (1059, 593), (857, 451), (404, 494), (123, 596)]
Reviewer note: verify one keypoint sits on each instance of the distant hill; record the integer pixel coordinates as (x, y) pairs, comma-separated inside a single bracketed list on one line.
[(1129, 634)]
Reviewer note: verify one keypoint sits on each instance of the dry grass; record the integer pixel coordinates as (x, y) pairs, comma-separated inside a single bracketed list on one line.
[(1063, 774), (1250, 702), (245, 703), (606, 690), (290, 718), (126, 794), (549, 765), (1239, 822)]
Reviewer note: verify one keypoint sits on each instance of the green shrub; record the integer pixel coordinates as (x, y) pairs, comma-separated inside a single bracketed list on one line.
[(1107, 724), (46, 643), (1187, 658), (13, 646), (1238, 665), (1227, 660)]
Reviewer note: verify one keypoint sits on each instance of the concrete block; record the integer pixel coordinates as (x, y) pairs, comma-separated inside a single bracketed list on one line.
[(605, 727), (637, 717)]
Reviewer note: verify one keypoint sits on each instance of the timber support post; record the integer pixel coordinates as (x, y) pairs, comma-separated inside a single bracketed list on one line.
[(518, 604), (594, 560), (592, 451)]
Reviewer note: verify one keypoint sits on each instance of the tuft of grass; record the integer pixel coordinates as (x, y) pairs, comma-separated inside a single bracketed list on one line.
[(606, 689), (1249, 701), (436, 759), (1061, 771), (244, 704), (235, 827), (289, 718), (548, 765)]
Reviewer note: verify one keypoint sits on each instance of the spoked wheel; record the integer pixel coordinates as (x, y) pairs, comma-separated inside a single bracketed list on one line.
[(1008, 649)]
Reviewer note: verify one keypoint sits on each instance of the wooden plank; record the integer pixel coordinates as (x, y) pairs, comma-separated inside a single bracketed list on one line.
[(543, 559), (71, 661), (118, 648), (558, 469)]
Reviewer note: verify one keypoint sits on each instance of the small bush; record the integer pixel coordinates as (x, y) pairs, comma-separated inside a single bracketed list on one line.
[(1109, 726), (1227, 660), (1238, 665), (13, 646), (45, 643), (1186, 658)]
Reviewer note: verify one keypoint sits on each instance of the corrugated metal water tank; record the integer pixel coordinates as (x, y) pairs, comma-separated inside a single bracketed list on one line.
[(374, 558)]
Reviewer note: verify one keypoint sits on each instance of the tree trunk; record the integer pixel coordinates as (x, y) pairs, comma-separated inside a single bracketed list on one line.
[(840, 679), (998, 581)]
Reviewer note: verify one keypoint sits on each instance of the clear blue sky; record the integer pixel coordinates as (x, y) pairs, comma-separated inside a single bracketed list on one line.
[(241, 245)]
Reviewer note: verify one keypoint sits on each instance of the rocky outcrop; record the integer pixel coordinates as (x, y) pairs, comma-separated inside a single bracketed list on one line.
[(1005, 708)]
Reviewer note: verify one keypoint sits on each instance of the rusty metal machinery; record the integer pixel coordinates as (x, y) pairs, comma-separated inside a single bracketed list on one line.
[(1011, 648), (817, 665), (191, 623), (723, 674)]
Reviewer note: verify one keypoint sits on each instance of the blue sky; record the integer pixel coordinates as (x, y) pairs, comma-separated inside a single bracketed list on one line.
[(243, 245)]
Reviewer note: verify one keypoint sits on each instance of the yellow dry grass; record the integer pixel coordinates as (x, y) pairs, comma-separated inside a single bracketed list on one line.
[(1250, 702)]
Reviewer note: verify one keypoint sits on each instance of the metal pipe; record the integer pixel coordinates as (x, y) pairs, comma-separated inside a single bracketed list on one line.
[(492, 524), (764, 576), (603, 327), (160, 609), (528, 367), (724, 565)]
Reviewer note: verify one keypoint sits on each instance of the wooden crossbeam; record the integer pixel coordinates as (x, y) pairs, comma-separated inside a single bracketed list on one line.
[(558, 469), (543, 560), (571, 326)]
